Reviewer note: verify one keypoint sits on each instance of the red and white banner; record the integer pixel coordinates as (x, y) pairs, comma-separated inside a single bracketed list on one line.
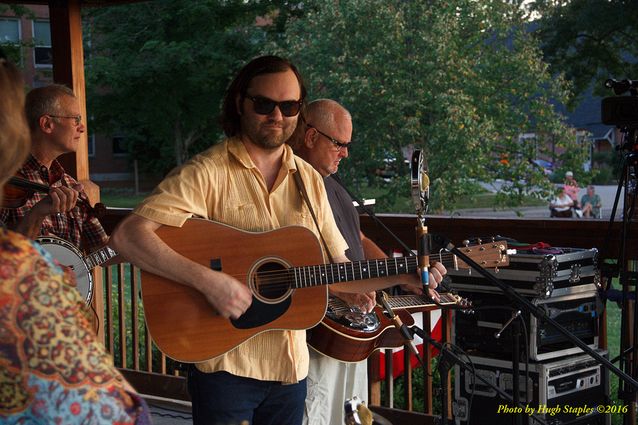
[(398, 364)]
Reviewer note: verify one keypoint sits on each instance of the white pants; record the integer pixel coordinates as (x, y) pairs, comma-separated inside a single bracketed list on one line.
[(330, 384)]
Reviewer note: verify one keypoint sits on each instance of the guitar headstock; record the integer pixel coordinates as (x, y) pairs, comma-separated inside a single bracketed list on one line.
[(457, 302), (491, 255), (464, 304)]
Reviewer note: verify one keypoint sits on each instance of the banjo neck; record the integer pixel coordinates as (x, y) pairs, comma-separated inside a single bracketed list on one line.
[(99, 257)]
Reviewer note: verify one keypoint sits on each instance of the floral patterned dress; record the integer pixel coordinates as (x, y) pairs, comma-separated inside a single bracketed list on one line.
[(53, 370)]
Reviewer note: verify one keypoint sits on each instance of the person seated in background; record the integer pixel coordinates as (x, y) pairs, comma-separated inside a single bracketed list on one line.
[(54, 370), (571, 188), (590, 203), (561, 205)]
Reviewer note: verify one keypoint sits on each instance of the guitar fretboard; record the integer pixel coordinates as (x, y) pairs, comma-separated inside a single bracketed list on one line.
[(415, 301), (326, 274)]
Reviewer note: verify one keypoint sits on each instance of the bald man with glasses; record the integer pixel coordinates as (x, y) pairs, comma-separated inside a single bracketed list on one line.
[(323, 139)]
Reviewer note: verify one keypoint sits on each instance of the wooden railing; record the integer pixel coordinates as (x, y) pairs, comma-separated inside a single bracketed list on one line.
[(153, 373)]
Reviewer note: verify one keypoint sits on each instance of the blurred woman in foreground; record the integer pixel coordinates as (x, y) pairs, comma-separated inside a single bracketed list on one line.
[(53, 368)]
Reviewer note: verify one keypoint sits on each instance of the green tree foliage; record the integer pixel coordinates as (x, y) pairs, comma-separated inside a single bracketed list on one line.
[(589, 40), (458, 79), (157, 72)]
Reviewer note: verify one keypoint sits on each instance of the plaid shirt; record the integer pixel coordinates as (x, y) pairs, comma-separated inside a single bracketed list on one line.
[(76, 226)]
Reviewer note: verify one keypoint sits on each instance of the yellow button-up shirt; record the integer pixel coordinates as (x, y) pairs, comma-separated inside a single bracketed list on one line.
[(223, 184)]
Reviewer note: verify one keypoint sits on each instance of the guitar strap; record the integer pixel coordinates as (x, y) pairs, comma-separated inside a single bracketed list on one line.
[(304, 194)]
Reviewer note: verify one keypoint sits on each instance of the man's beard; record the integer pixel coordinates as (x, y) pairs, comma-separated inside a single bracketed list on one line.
[(270, 139)]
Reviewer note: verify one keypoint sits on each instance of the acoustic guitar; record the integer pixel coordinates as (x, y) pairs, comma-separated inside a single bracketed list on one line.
[(284, 269)]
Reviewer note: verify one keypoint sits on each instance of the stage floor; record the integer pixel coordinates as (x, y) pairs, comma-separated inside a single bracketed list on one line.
[(166, 413)]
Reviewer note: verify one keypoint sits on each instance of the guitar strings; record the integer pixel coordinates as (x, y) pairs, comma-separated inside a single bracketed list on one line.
[(274, 281)]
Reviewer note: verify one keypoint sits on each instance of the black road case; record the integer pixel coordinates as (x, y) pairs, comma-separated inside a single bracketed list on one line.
[(578, 312), (564, 391), (540, 273)]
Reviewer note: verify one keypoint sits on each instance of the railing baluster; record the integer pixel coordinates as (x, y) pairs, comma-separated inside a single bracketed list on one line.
[(121, 285), (135, 319), (108, 325)]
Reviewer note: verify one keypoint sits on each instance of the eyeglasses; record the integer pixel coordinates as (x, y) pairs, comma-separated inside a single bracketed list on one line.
[(264, 106), (339, 145), (77, 118)]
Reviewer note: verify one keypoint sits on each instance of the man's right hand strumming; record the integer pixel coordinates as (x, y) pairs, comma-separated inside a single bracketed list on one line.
[(229, 297), (135, 239)]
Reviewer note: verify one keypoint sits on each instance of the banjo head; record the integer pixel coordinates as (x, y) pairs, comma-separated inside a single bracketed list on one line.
[(68, 255)]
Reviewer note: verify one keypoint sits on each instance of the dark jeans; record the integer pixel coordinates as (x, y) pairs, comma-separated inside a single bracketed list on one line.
[(562, 214), (223, 399)]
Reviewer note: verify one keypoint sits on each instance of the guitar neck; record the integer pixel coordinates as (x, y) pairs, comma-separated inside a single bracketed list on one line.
[(326, 274), (99, 257)]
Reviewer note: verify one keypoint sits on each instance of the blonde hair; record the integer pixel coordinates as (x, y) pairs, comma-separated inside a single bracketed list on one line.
[(14, 133)]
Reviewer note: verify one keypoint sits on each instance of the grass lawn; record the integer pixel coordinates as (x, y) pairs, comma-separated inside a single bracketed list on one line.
[(120, 198), (126, 198), (613, 344), (404, 205)]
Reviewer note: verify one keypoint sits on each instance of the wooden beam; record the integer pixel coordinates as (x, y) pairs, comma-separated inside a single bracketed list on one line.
[(68, 69)]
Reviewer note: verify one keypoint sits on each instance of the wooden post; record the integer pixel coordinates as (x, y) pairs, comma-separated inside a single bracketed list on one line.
[(68, 69)]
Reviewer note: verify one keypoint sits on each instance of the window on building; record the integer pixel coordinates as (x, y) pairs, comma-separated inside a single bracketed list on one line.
[(10, 38), (42, 44), (119, 146)]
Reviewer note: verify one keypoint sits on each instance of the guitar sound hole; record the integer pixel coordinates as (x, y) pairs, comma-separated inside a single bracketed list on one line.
[(271, 281)]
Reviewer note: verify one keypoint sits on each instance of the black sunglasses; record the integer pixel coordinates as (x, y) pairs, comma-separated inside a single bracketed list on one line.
[(264, 106), (339, 145)]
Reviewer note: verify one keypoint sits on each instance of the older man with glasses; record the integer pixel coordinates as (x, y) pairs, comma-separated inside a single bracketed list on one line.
[(323, 139), (55, 124)]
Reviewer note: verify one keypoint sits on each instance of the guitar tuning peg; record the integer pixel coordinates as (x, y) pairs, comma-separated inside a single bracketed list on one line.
[(479, 241), (466, 242), (496, 269)]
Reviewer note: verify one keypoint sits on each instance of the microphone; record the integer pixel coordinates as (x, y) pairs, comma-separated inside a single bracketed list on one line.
[(420, 187), (399, 325), (419, 183), (423, 245)]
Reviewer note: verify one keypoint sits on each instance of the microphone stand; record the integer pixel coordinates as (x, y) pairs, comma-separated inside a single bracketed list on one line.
[(372, 215), (530, 308), (516, 337), (404, 331)]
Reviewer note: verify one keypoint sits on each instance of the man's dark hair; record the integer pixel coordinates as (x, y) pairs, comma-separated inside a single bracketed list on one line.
[(237, 88)]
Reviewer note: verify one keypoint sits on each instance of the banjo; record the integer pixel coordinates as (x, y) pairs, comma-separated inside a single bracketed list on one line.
[(70, 256)]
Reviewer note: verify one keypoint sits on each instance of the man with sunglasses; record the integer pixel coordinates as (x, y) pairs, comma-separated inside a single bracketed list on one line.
[(323, 139), (55, 124), (245, 181)]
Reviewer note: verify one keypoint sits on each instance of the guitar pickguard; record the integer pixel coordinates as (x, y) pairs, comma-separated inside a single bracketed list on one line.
[(260, 313)]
